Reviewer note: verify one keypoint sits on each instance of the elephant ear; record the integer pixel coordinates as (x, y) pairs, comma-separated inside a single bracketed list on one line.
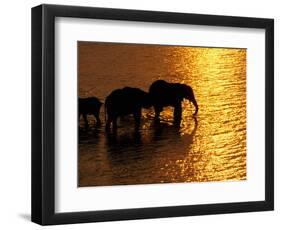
[(182, 90)]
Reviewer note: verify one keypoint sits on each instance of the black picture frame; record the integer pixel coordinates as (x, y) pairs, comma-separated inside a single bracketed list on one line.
[(43, 110)]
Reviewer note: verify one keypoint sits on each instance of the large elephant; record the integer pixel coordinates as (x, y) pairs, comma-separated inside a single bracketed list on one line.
[(123, 102), (90, 106), (171, 94)]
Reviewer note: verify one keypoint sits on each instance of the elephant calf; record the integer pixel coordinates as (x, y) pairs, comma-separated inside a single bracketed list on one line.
[(90, 106), (165, 94), (123, 102)]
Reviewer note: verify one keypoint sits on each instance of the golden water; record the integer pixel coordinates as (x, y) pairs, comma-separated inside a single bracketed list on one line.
[(210, 147)]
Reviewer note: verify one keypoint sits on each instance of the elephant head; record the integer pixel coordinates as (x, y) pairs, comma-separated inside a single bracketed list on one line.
[(185, 91)]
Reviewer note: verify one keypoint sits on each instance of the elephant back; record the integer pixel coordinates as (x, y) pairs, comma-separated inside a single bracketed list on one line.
[(126, 100), (162, 93), (88, 105), (159, 86)]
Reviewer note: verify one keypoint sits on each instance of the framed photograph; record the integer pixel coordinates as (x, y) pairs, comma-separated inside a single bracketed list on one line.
[(141, 114)]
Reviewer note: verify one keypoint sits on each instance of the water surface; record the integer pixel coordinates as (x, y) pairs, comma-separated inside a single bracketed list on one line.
[(208, 147)]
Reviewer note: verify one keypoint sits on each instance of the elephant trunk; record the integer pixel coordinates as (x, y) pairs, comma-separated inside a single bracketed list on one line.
[(191, 97), (196, 106)]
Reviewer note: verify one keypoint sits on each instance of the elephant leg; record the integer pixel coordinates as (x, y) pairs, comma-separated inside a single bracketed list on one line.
[(177, 114), (157, 110), (137, 117), (85, 120), (97, 119), (108, 124), (114, 124)]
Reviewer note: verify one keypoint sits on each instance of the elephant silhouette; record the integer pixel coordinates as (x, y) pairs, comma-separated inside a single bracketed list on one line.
[(164, 94), (125, 101), (90, 106)]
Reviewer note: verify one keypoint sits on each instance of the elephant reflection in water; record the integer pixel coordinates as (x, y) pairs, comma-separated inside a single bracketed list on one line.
[(165, 94), (123, 102)]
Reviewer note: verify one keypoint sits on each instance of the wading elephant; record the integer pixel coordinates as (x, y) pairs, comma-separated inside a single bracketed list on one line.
[(165, 94), (123, 102), (90, 106)]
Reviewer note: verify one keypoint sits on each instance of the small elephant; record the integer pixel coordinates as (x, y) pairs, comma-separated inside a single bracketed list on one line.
[(90, 106), (164, 94), (123, 102)]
